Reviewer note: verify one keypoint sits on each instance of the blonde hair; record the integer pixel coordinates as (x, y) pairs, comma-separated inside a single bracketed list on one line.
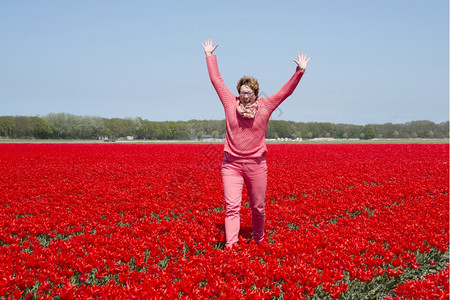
[(250, 82)]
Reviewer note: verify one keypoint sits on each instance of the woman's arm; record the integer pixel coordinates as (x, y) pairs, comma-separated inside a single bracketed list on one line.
[(276, 99), (225, 95)]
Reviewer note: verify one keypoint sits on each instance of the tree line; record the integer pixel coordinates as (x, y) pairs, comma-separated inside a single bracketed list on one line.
[(69, 126)]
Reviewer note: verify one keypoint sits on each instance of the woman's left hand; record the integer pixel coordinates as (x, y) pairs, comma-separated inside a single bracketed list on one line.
[(302, 61)]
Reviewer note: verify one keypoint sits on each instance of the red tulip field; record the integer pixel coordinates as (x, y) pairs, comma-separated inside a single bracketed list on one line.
[(146, 221)]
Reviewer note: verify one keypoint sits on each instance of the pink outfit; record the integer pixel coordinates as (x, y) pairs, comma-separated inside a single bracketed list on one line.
[(247, 137), (236, 172), (245, 150)]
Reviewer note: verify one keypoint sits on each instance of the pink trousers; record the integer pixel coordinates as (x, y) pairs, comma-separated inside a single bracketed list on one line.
[(236, 172)]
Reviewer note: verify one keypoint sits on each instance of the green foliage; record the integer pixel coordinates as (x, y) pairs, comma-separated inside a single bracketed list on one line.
[(367, 132), (7, 126), (68, 126), (119, 127)]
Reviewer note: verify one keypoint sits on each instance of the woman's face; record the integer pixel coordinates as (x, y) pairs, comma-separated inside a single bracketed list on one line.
[(246, 95)]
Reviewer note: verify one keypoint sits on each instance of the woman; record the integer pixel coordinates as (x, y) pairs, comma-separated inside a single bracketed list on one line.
[(246, 118)]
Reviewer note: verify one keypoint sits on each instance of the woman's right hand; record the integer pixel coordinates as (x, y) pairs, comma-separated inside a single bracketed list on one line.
[(302, 61), (208, 47)]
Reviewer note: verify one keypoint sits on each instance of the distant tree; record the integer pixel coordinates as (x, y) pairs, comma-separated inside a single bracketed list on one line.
[(164, 131), (297, 134), (64, 126), (119, 127), (367, 132), (154, 130), (141, 128), (422, 128), (23, 127), (61, 124), (130, 127), (39, 128), (354, 131), (7, 126), (270, 133), (97, 126), (200, 134), (442, 130), (283, 129), (172, 130), (387, 130), (340, 133), (191, 129), (87, 127), (313, 130), (326, 129), (182, 130), (403, 132), (395, 134)]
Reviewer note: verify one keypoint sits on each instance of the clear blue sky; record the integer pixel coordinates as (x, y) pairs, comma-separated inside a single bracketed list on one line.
[(371, 61)]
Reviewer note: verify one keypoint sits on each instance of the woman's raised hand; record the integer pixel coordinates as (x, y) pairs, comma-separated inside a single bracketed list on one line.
[(302, 61), (208, 47)]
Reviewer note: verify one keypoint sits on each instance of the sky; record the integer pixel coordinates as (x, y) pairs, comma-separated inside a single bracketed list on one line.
[(372, 62)]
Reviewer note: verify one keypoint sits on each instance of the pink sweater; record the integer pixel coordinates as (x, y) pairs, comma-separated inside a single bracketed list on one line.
[(246, 138)]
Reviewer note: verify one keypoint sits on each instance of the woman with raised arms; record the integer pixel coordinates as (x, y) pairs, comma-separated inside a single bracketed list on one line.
[(246, 117)]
